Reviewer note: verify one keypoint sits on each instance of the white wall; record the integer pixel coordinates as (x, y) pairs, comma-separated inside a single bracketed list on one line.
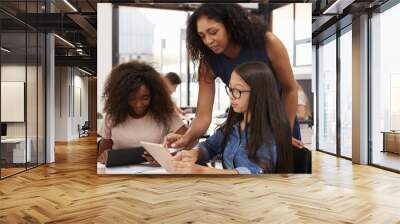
[(67, 115), (50, 95), (301, 73), (104, 48), (33, 127), (80, 84), (12, 73), (360, 90), (61, 103), (314, 91)]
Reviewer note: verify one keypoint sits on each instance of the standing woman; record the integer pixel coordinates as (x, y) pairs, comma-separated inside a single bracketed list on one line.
[(220, 37)]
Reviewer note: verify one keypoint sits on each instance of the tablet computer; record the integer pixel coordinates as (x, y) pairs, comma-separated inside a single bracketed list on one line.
[(123, 157), (159, 153)]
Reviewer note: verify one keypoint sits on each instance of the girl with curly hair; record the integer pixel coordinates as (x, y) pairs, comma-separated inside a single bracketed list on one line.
[(220, 37), (138, 108)]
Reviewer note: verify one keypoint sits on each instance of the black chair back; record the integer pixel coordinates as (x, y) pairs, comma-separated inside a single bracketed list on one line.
[(86, 126), (302, 161)]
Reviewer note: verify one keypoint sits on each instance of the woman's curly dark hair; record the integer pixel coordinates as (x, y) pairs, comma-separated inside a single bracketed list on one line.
[(124, 80), (243, 29)]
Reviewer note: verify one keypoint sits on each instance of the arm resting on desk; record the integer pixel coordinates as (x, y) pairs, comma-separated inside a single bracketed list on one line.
[(104, 146)]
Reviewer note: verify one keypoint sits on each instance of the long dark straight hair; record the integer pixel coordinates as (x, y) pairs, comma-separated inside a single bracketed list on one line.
[(269, 123)]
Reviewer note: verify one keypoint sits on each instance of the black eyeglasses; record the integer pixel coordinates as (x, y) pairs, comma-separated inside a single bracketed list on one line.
[(235, 93)]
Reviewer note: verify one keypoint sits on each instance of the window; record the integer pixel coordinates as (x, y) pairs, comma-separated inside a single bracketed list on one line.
[(346, 93), (385, 85), (282, 27), (23, 74), (327, 96), (302, 30), (292, 24), (303, 53), (156, 36)]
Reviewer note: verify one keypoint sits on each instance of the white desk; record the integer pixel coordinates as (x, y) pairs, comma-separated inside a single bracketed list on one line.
[(18, 150), (146, 169), (138, 169), (130, 169)]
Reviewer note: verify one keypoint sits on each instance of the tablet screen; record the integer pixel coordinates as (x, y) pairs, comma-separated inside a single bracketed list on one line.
[(159, 153), (127, 156)]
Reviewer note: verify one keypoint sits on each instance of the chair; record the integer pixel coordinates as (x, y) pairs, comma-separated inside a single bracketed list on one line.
[(302, 161), (84, 130)]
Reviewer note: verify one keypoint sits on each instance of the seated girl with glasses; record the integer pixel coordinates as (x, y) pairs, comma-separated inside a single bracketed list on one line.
[(255, 138), (138, 108)]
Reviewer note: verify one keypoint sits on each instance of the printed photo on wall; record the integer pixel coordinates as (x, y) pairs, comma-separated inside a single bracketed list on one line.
[(204, 89)]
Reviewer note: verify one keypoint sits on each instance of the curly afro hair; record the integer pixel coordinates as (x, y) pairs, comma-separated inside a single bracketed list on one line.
[(124, 81)]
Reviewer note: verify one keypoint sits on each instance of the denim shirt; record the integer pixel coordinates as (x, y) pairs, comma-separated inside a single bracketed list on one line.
[(236, 154)]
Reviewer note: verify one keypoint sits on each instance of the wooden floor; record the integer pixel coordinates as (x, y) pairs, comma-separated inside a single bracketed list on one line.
[(10, 171), (70, 191), (5, 172), (387, 159)]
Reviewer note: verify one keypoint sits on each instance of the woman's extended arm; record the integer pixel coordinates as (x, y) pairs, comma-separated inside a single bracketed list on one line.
[(281, 65), (203, 117)]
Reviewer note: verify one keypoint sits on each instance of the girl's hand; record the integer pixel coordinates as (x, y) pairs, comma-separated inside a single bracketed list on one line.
[(150, 159), (297, 143), (183, 167), (103, 156), (186, 156)]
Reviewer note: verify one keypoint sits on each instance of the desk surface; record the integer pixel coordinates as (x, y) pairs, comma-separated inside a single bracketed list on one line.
[(390, 132), (130, 169), (13, 140), (146, 169), (138, 169)]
